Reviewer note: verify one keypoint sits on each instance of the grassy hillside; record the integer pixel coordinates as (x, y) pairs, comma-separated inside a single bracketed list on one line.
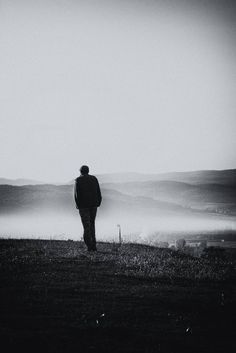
[(56, 297)]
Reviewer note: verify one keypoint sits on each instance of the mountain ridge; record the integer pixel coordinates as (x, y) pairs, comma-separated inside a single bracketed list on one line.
[(195, 177)]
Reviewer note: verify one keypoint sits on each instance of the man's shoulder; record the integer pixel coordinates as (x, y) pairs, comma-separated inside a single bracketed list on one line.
[(93, 179), (86, 177)]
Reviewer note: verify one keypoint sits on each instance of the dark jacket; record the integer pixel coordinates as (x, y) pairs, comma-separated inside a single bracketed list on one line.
[(87, 192)]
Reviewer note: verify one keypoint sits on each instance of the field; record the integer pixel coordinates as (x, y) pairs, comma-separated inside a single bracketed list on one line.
[(56, 297)]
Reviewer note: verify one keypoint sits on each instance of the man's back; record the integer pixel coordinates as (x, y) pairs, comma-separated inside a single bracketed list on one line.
[(87, 191)]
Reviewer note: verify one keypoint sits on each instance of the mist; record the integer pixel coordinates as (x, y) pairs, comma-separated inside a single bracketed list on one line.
[(133, 228)]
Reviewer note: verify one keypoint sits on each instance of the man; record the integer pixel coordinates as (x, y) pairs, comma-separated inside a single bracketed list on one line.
[(88, 197)]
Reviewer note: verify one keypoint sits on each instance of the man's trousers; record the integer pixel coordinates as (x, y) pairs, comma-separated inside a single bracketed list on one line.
[(88, 216)]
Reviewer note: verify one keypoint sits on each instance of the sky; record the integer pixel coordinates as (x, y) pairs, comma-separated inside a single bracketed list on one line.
[(143, 86)]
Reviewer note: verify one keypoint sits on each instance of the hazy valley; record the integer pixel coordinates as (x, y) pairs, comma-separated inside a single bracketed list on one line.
[(142, 204)]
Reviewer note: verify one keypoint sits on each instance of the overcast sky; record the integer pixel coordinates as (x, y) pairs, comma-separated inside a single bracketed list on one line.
[(146, 86)]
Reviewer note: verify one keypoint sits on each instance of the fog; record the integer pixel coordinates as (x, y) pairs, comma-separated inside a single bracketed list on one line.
[(134, 228)]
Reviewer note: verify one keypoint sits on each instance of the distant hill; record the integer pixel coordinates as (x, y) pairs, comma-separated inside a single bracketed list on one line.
[(218, 198), (188, 192), (126, 198), (58, 199), (122, 177), (19, 182), (225, 177), (35, 198)]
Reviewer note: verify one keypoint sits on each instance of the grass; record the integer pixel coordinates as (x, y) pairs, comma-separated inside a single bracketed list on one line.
[(151, 262), (131, 260), (56, 297)]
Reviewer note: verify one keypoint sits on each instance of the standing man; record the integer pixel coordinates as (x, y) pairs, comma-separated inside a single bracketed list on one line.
[(88, 197)]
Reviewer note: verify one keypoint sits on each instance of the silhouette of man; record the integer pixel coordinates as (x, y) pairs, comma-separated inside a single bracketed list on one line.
[(88, 197)]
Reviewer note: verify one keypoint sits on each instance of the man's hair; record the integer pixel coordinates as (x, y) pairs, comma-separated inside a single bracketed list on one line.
[(84, 169)]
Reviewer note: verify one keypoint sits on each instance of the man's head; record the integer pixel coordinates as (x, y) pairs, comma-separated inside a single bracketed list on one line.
[(84, 170)]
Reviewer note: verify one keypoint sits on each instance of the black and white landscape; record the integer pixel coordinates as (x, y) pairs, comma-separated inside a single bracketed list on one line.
[(143, 92)]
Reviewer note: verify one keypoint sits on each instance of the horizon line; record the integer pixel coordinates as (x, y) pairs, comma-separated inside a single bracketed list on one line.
[(116, 173)]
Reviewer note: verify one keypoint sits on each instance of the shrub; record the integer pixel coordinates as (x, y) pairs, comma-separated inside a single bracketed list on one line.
[(180, 244)]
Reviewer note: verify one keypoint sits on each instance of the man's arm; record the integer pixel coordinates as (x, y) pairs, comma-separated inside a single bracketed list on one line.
[(76, 194), (99, 194)]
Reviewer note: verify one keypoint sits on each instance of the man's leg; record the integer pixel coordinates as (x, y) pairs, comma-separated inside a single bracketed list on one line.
[(85, 219), (93, 212)]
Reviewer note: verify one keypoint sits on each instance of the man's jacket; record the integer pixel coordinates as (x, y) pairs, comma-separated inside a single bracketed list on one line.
[(87, 192)]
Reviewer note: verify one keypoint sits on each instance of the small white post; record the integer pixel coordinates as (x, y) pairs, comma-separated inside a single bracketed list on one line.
[(120, 239)]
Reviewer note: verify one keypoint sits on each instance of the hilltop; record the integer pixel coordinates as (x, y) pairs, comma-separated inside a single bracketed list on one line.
[(58, 298)]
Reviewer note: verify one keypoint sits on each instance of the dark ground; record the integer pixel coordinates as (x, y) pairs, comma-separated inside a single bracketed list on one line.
[(56, 297)]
